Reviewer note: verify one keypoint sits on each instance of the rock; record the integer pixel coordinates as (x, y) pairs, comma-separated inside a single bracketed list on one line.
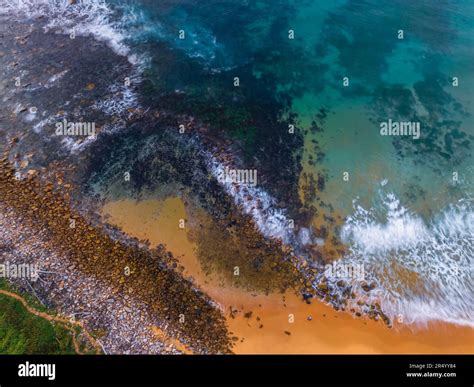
[(341, 283), (323, 287), (366, 287)]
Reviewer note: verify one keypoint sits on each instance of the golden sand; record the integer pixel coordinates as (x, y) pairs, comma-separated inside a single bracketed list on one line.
[(279, 323)]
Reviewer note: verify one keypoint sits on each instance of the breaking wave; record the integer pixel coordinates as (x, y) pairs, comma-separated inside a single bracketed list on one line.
[(423, 269), (86, 17), (272, 222)]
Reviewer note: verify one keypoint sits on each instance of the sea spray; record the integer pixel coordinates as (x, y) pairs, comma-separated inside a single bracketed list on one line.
[(86, 17), (271, 221), (439, 253), (424, 270), (98, 20)]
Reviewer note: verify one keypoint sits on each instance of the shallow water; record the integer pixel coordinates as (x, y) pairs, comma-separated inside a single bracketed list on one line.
[(405, 203), (312, 328)]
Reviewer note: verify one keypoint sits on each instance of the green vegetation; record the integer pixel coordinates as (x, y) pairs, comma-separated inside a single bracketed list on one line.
[(24, 333), (30, 299)]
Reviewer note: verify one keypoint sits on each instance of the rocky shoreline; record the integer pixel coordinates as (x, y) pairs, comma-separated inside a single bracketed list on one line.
[(121, 290), (85, 265)]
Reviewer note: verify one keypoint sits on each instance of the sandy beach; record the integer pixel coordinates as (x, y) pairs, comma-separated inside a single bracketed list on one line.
[(280, 323)]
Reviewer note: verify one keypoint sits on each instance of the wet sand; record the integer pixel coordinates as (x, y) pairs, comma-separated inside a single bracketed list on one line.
[(268, 328)]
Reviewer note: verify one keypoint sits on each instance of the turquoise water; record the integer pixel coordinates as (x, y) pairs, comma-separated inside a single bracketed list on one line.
[(404, 203), (389, 78), (405, 79)]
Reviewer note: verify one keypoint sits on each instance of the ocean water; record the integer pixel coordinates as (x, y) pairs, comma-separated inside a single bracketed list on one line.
[(406, 204)]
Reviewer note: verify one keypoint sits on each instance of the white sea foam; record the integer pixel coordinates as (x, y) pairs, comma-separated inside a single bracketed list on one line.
[(54, 78), (198, 41), (424, 269), (272, 222), (388, 242), (439, 252), (84, 17), (400, 231), (121, 99)]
